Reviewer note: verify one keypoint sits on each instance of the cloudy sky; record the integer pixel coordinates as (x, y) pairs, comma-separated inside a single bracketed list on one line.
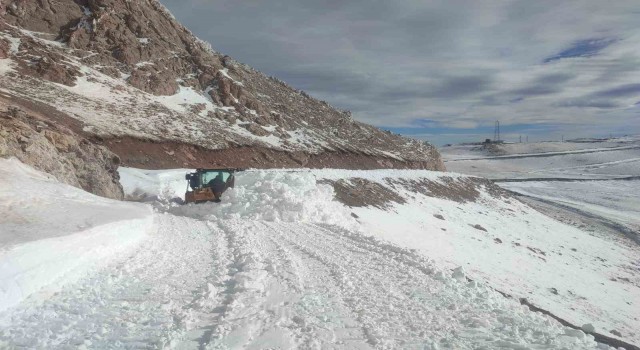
[(445, 70)]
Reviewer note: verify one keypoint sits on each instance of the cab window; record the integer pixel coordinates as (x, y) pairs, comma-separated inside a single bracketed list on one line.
[(210, 175)]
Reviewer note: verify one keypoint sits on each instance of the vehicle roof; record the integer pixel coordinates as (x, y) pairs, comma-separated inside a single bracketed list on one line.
[(231, 170)]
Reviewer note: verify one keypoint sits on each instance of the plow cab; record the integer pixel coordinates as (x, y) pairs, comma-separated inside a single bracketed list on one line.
[(208, 185)]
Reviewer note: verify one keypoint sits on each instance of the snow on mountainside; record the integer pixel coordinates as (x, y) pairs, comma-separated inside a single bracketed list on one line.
[(157, 96), (282, 264)]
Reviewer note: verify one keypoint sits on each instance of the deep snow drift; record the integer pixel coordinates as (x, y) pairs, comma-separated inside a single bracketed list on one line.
[(282, 264), (52, 234)]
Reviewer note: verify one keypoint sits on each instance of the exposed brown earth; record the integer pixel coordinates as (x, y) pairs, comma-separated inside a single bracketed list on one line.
[(358, 192), (165, 155), (150, 154), (46, 64), (4, 49), (460, 190)]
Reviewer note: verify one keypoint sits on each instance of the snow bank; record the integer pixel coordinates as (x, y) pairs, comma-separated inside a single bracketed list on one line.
[(51, 233), (148, 185), (270, 195), (287, 196)]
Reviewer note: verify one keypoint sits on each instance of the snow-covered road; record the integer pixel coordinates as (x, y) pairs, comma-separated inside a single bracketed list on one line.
[(137, 301), (259, 284), (282, 264)]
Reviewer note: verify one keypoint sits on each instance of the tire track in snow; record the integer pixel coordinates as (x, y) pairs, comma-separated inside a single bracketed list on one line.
[(251, 306), (326, 287), (321, 307), (210, 301), (339, 280), (384, 311), (286, 308)]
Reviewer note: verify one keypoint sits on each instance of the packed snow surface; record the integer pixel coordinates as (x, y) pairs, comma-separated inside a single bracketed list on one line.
[(282, 264)]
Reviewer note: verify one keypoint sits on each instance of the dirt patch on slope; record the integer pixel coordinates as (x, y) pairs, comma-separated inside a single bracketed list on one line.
[(151, 154), (4, 49), (358, 192), (461, 190)]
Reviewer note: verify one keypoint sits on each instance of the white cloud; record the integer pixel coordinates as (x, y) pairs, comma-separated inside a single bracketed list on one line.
[(459, 64)]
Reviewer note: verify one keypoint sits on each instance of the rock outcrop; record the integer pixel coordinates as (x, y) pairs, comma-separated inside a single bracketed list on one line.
[(129, 70), (47, 146), (4, 49)]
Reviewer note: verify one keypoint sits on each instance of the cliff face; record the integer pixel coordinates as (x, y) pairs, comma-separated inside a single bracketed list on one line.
[(37, 139), (132, 75)]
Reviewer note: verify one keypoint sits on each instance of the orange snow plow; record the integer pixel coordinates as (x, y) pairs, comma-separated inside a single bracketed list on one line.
[(208, 185)]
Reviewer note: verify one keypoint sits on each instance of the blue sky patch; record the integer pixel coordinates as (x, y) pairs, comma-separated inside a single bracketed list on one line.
[(582, 48)]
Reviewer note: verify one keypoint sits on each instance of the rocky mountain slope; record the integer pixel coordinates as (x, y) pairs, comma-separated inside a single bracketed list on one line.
[(127, 75), (35, 138)]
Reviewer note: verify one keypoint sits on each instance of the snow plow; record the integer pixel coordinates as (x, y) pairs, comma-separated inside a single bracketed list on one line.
[(208, 185)]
